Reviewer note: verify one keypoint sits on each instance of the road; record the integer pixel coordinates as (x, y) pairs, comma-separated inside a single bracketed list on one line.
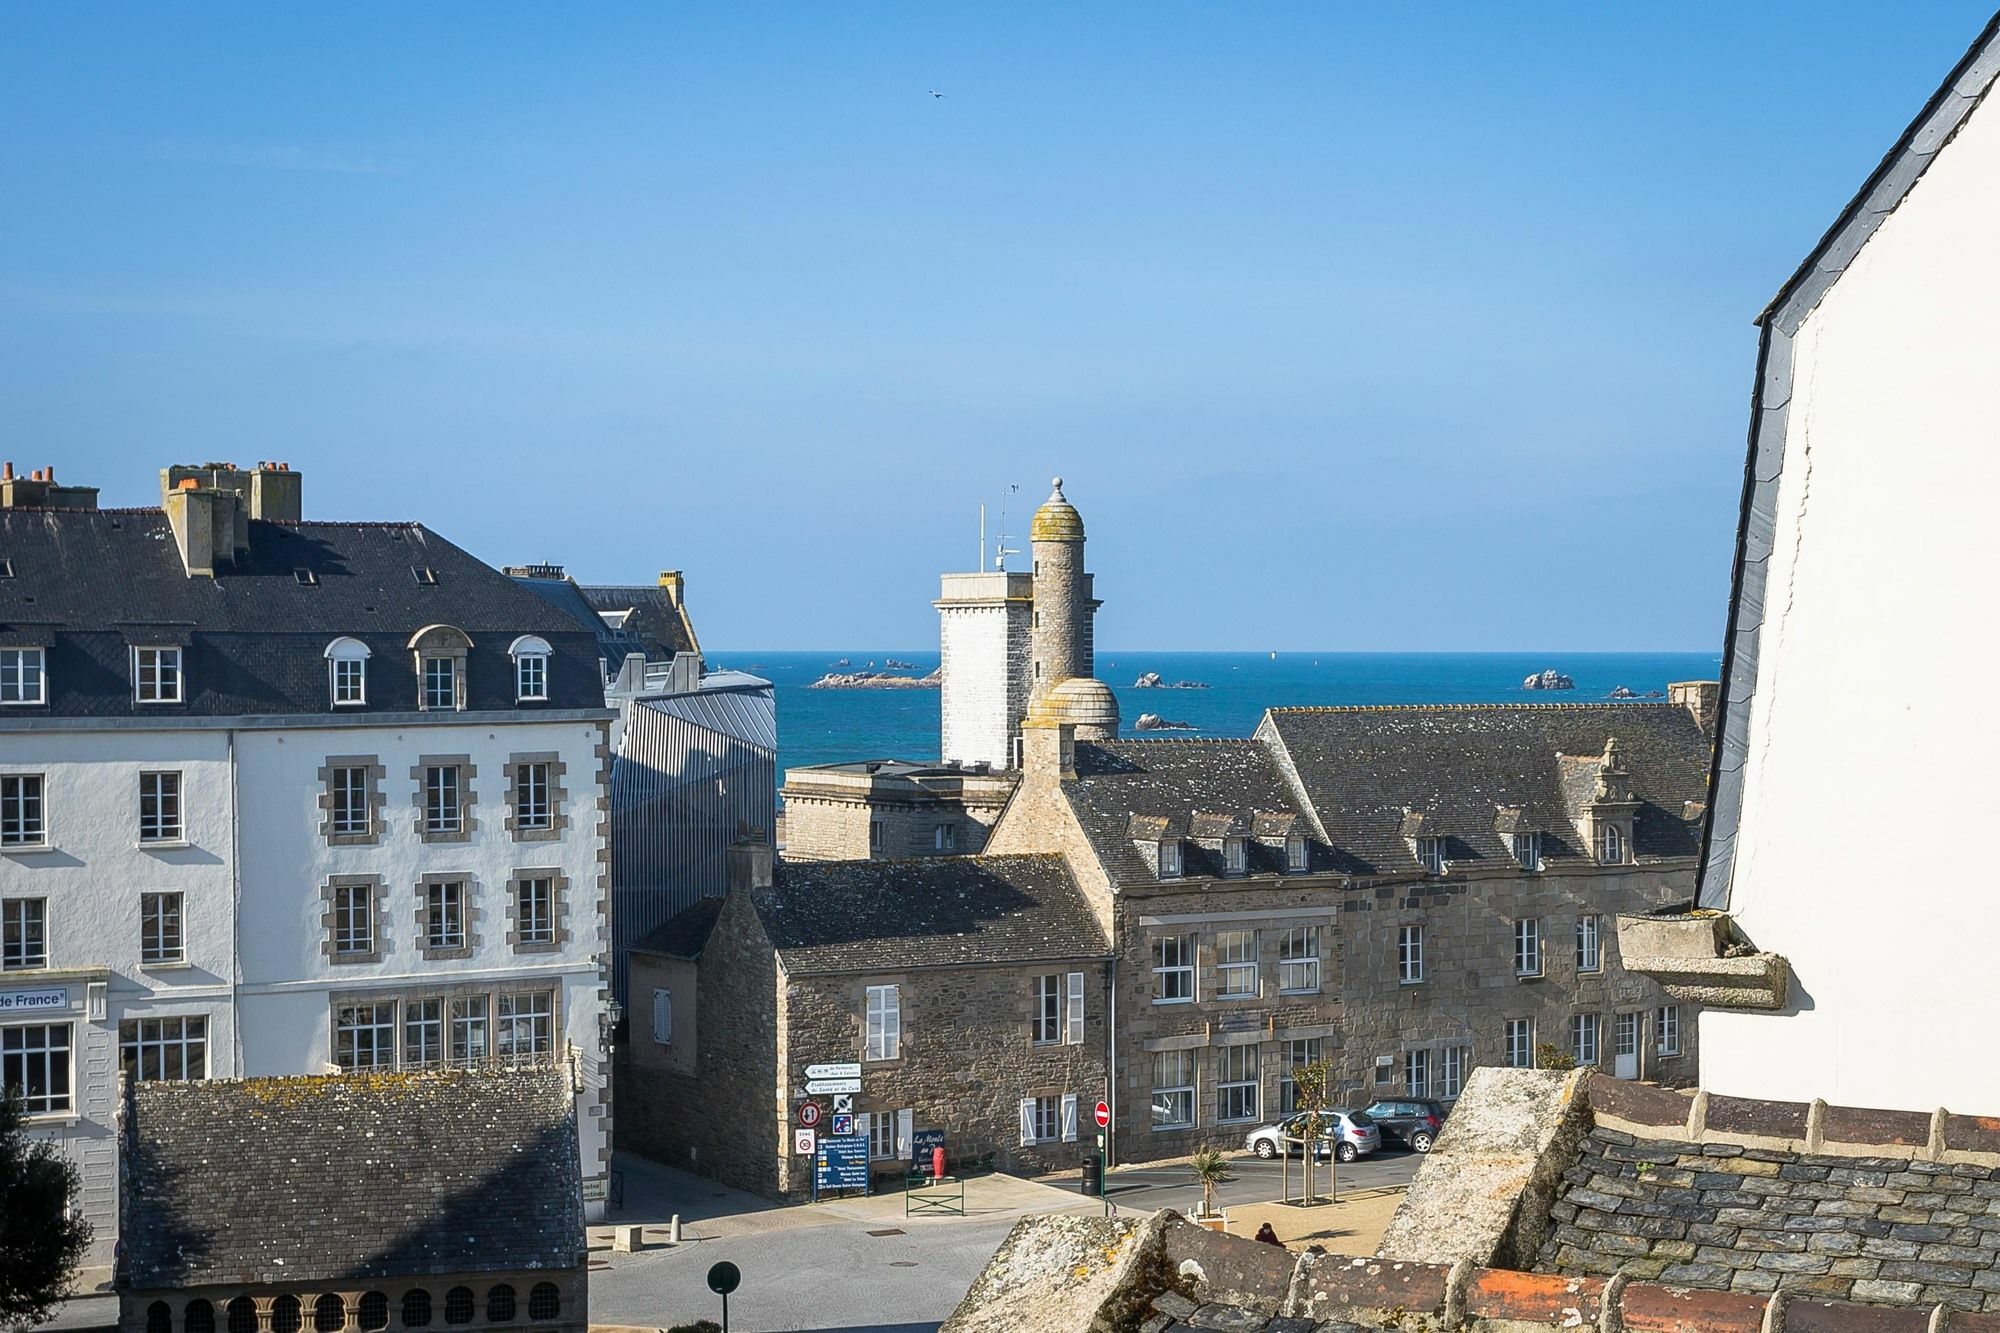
[(1252, 1181)]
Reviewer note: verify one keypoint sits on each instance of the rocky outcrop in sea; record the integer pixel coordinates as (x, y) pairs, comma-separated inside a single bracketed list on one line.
[(1154, 722), (1550, 679), (1151, 681), (877, 680)]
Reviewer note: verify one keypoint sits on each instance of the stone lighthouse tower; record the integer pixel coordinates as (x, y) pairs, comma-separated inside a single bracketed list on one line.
[(1061, 642)]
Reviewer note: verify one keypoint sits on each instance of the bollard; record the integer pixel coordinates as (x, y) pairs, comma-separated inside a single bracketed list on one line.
[(626, 1239), (674, 1230)]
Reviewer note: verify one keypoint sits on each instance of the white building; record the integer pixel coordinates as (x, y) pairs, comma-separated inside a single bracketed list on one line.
[(280, 797), (1860, 637)]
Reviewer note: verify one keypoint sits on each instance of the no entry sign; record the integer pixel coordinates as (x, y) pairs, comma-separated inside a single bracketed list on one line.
[(1103, 1115)]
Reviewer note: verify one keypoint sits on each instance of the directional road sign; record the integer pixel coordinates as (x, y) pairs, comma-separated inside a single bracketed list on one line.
[(820, 1087), (852, 1069)]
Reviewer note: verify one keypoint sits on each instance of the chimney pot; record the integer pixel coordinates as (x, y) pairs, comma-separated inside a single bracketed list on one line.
[(49, 472), (8, 474), (190, 483)]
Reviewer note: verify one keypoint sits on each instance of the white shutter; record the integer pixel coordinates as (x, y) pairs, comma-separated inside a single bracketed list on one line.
[(1027, 1120), (1073, 1036), (1069, 1113), (663, 1016), (905, 1133), (861, 1128)]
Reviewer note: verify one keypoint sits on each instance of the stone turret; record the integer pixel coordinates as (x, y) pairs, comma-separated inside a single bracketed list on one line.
[(1056, 642)]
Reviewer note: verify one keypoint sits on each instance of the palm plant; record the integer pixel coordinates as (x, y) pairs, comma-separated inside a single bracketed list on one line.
[(1210, 1168)]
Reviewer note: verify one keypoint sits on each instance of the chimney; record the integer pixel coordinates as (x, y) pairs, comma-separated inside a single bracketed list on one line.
[(270, 493), (750, 859), (204, 521), (673, 585), (276, 494), (1048, 751), (1703, 698), (38, 490)]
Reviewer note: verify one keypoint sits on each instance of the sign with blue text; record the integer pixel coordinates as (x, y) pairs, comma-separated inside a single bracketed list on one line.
[(921, 1143), (843, 1163), (42, 1000)]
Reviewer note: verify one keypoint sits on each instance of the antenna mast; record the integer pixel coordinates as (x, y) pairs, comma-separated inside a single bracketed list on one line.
[(1000, 548)]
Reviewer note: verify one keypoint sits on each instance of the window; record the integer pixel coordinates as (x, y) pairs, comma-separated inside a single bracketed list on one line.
[(468, 1029), (243, 1316), (1527, 848), (1235, 964), (1295, 853), (1041, 1119), (944, 838), (885, 1129), (159, 1318), (1299, 1051), (1234, 857), (1528, 947), (1430, 854), (416, 1310), (347, 667), (21, 821), (1417, 1073), (1668, 1029), (535, 911), (1583, 1034), (1611, 845), (442, 811), (663, 1017), (1173, 969), (329, 1314), (164, 1048), (1170, 859), (371, 1312), (875, 835), (531, 677), (1173, 1089), (160, 929), (440, 683), (1385, 1070), (544, 1302), (458, 1306), (423, 1033), (200, 1317), (160, 807), (22, 677), (1589, 957), (533, 806), (353, 920), (364, 1036), (1049, 997), (1236, 1083), (1520, 1043), (444, 914), (885, 1024), (24, 933), (1298, 961), (156, 675), (35, 1063), (285, 1315), (1409, 954), (350, 815), (1451, 1077), (527, 1024), (1625, 1039)]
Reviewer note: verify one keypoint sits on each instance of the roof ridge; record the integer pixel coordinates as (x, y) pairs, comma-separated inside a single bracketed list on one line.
[(1522, 704)]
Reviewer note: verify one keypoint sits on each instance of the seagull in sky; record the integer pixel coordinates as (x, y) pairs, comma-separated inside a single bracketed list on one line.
[(936, 93)]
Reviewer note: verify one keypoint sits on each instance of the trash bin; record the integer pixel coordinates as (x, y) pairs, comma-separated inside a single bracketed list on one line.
[(1093, 1176)]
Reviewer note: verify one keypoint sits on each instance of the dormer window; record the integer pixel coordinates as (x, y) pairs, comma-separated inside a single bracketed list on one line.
[(531, 669), (1611, 845), (1430, 854), (1170, 859), (440, 683), (22, 674), (1527, 849), (441, 657), (156, 675), (1235, 856), (347, 671), (1295, 853)]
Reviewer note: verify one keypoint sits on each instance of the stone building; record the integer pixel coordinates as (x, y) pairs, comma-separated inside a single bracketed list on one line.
[(1408, 892), (393, 1202), (891, 809), (970, 991)]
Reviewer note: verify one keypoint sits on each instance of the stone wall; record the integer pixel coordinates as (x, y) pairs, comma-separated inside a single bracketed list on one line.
[(823, 826)]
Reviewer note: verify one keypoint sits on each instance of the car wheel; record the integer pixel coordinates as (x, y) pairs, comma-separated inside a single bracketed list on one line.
[(1266, 1150), (1421, 1141), (1346, 1152)]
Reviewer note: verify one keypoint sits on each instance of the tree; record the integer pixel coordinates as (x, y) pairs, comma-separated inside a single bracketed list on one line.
[(41, 1240), (1314, 1084), (1209, 1167), (1548, 1055)]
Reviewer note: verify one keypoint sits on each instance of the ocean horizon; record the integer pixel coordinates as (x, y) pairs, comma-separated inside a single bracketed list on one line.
[(831, 726)]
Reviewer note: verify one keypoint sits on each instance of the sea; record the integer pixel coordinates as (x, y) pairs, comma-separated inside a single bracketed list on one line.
[(829, 726)]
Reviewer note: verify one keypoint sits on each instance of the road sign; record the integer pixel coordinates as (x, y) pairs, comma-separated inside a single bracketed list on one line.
[(851, 1069), (724, 1278), (820, 1087), (843, 1163), (805, 1142), (1103, 1115), (843, 1103), (843, 1125), (808, 1114)]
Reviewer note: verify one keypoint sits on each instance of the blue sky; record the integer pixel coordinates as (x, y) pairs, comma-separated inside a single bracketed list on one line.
[(1383, 327)]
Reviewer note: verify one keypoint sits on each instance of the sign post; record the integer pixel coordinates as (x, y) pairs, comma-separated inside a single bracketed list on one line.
[(724, 1278), (1103, 1185)]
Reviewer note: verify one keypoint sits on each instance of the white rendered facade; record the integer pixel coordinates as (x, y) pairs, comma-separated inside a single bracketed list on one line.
[(1867, 574), (984, 623)]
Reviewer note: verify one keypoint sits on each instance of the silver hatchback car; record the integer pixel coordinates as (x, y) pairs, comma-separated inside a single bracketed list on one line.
[(1346, 1134)]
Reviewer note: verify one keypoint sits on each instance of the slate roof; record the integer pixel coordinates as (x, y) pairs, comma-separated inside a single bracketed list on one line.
[(1190, 787), (654, 627), (685, 934), (1467, 767), (89, 585), (350, 1176), (863, 916)]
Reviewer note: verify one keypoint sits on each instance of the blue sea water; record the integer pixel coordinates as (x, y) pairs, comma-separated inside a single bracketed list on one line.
[(825, 726)]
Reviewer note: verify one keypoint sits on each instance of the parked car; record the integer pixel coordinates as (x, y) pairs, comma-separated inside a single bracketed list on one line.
[(1346, 1134), (1414, 1123)]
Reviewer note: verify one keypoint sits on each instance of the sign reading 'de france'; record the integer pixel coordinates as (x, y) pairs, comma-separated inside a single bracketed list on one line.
[(48, 999)]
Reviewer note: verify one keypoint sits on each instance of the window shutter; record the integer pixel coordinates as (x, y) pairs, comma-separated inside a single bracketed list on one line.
[(663, 1016), (905, 1132), (1027, 1120), (1074, 1035), (861, 1131), (1069, 1112)]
